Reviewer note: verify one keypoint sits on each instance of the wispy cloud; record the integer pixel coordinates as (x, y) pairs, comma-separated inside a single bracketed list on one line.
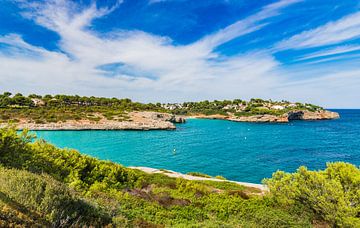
[(344, 29), (173, 69), (148, 67), (331, 51), (247, 25)]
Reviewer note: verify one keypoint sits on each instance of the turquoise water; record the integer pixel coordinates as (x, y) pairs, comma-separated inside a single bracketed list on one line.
[(238, 151)]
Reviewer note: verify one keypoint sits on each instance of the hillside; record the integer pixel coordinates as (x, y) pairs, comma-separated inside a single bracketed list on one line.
[(62, 112), (41, 185)]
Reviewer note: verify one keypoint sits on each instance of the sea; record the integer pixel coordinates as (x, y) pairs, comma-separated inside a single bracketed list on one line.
[(247, 152)]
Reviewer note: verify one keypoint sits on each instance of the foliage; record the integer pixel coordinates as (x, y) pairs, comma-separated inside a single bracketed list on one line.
[(220, 177), (48, 198), (332, 194), (240, 107), (61, 108), (79, 171), (40, 183), (197, 174)]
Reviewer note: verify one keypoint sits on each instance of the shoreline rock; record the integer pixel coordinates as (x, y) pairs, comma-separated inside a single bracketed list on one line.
[(137, 121), (266, 118), (95, 126), (142, 121)]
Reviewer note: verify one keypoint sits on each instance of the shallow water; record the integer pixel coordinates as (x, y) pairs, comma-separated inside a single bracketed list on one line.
[(238, 151)]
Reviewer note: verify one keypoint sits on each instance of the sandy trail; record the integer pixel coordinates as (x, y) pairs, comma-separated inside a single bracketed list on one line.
[(170, 173)]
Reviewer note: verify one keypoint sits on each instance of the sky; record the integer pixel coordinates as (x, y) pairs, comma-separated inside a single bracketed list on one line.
[(184, 50)]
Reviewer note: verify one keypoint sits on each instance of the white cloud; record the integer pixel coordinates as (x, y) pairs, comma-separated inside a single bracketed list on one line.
[(344, 29), (148, 67), (180, 71), (331, 51), (247, 25), (336, 89)]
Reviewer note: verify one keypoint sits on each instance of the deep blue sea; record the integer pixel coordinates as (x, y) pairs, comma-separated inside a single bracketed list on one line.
[(238, 151)]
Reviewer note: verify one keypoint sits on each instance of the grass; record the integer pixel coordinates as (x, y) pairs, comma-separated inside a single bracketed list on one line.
[(198, 174)]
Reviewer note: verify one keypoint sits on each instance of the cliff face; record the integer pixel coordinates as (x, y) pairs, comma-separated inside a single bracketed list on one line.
[(137, 121), (322, 115), (261, 118), (165, 121), (293, 115)]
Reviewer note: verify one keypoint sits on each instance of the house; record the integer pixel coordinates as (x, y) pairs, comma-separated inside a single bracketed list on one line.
[(277, 107), (38, 102), (172, 106)]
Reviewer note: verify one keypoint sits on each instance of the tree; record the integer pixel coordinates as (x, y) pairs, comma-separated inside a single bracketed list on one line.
[(7, 94), (35, 96), (332, 194)]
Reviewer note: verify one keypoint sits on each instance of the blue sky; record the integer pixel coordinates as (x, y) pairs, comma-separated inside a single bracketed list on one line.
[(179, 50)]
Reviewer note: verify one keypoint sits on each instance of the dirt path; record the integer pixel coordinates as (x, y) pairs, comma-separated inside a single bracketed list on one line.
[(170, 173)]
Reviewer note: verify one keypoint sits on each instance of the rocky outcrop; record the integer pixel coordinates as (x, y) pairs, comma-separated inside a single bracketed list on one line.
[(260, 119), (322, 115), (136, 121), (164, 117), (293, 115), (111, 125), (165, 121), (307, 115)]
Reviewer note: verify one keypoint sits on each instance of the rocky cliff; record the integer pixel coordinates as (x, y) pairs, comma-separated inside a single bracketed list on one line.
[(136, 121), (165, 121), (293, 115)]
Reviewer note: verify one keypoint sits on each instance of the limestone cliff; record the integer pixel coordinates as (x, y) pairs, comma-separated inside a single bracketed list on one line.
[(136, 121), (293, 115)]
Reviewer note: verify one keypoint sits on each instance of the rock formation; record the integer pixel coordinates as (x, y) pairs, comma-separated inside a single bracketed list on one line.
[(165, 121), (293, 115), (137, 121)]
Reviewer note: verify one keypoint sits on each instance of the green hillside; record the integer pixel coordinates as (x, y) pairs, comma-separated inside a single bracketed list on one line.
[(42, 185), (61, 108)]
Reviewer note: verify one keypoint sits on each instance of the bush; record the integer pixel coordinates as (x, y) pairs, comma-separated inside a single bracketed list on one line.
[(57, 181), (332, 194), (49, 198), (65, 165), (197, 174)]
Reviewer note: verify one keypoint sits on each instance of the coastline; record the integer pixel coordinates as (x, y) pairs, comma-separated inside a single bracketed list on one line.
[(75, 126), (265, 118), (143, 121), (140, 121), (170, 173)]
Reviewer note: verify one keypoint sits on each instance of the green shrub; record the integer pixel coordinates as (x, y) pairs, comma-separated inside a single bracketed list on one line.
[(65, 165), (49, 198), (220, 177), (197, 174), (133, 197), (332, 194)]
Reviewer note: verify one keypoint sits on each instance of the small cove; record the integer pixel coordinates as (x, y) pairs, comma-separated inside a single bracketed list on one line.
[(245, 152)]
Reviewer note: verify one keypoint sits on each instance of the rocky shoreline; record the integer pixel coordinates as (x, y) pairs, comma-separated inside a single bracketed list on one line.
[(165, 121), (293, 115), (137, 121)]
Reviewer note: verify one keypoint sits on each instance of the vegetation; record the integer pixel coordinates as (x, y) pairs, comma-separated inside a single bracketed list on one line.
[(61, 108), (333, 194), (197, 174), (44, 200), (239, 107), (41, 185)]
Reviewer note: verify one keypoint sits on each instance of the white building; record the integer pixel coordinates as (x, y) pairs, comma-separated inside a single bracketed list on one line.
[(38, 102), (277, 107)]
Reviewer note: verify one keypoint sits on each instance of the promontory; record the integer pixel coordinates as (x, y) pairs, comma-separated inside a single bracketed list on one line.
[(63, 112)]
